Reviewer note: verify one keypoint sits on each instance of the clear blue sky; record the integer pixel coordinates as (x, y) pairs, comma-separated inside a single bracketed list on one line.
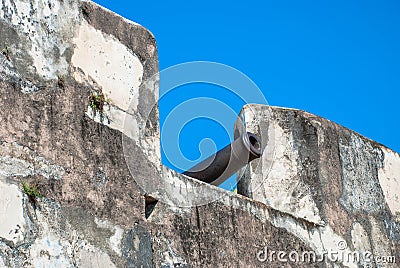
[(337, 59)]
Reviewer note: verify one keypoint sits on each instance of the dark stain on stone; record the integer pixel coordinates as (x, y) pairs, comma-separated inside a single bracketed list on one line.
[(392, 227), (137, 248), (306, 142), (361, 187)]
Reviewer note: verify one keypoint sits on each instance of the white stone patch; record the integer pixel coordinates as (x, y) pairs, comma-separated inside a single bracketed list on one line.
[(389, 179), (115, 239), (170, 257), (20, 14), (104, 59), (10, 166), (93, 258), (182, 192), (360, 238), (104, 63), (12, 221), (150, 143), (116, 119), (52, 249), (360, 241), (16, 160), (280, 184), (47, 170), (275, 180), (47, 24), (381, 244), (47, 251)]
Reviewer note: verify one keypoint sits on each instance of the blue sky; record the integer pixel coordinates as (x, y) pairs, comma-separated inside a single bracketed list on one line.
[(336, 59)]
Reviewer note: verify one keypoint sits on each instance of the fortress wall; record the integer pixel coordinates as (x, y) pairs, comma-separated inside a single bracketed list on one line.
[(100, 172), (344, 184)]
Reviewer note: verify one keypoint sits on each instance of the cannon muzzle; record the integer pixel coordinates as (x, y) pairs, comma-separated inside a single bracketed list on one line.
[(224, 163)]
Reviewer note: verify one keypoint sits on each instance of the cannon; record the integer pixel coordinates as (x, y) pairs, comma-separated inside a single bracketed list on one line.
[(227, 161)]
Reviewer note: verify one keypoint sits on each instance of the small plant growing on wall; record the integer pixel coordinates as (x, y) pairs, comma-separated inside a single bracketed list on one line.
[(97, 101), (6, 53), (32, 191)]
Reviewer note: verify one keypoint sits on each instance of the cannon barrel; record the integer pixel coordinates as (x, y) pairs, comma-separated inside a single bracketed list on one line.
[(224, 163)]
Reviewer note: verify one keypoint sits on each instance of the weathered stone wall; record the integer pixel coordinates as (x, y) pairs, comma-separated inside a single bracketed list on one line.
[(345, 185), (87, 163)]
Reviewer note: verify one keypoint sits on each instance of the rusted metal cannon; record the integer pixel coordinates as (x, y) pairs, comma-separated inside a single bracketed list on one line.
[(224, 163)]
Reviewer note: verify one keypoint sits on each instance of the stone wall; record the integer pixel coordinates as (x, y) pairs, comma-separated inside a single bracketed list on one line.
[(345, 185), (106, 199)]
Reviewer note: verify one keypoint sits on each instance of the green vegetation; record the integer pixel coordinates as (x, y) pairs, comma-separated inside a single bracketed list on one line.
[(97, 101), (6, 53), (31, 191), (7, 57)]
